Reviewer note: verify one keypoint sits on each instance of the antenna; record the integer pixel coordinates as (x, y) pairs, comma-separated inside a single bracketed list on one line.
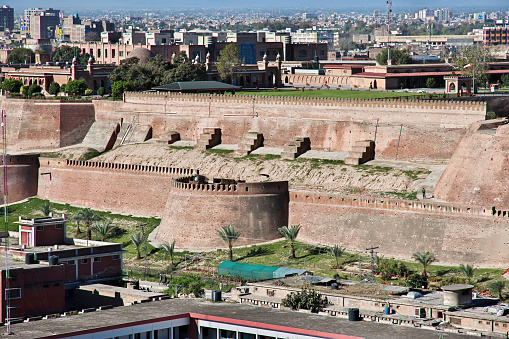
[(6, 290), (389, 10)]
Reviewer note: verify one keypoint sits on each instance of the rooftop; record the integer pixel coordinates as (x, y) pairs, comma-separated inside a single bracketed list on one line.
[(234, 313), (457, 287)]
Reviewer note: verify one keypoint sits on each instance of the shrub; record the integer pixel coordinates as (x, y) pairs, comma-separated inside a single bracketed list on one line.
[(101, 91), (306, 300), (416, 280), (12, 85), (192, 283), (505, 80), (63, 88), (75, 87), (88, 92), (54, 88), (24, 91)]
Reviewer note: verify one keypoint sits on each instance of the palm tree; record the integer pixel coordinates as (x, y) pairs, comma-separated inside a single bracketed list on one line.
[(425, 259), (45, 208), (87, 217), (496, 286), (103, 228), (170, 249), (290, 233), (336, 252), (137, 240), (468, 271), (229, 234)]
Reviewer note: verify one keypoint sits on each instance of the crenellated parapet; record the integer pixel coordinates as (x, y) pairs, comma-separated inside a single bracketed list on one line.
[(185, 184), (397, 103), (115, 167), (309, 197)]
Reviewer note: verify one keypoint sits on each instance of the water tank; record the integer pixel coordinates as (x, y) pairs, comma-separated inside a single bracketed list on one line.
[(30, 258), (353, 314), (53, 260), (216, 295)]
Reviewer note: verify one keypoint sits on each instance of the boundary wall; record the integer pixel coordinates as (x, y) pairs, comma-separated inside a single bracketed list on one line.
[(117, 187), (456, 234), (22, 173), (415, 130)]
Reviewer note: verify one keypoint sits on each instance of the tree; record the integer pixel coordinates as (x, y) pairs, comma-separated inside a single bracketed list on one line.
[(87, 217), (336, 252), (468, 271), (473, 61), (34, 88), (12, 85), (169, 248), (290, 233), (229, 234), (185, 72), (120, 87), (505, 80), (398, 57), (417, 280), (76, 87), (101, 91), (137, 240), (67, 54), (425, 259), (54, 88), (21, 56), (228, 62), (103, 228), (143, 76), (45, 208), (496, 286), (431, 83)]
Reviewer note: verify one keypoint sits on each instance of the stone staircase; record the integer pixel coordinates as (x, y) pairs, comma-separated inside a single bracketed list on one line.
[(133, 133), (361, 152), (296, 147), (250, 141), (210, 137)]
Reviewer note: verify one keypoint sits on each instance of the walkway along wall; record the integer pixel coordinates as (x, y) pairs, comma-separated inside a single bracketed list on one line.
[(133, 189), (456, 234), (424, 130)]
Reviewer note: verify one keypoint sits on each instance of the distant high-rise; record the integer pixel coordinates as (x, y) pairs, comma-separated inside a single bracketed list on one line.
[(6, 18), (41, 23)]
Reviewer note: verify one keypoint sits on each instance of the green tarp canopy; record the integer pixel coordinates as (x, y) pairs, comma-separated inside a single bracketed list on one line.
[(256, 272)]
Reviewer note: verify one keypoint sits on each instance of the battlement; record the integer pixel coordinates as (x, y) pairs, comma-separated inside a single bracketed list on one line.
[(136, 97), (234, 188), (394, 204), (114, 167)]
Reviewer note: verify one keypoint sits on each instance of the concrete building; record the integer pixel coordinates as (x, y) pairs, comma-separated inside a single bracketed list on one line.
[(6, 18), (73, 29), (42, 24), (498, 35)]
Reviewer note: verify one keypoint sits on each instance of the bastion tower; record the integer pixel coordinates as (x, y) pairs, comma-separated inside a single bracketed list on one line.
[(196, 208)]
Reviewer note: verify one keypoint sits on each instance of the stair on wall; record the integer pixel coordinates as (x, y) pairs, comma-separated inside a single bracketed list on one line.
[(363, 151), (250, 141), (122, 134), (210, 137), (296, 147)]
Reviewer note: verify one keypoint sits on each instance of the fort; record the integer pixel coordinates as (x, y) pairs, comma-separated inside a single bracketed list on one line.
[(468, 222)]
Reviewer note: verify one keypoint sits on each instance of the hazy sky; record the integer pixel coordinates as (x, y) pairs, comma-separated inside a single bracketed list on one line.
[(491, 5)]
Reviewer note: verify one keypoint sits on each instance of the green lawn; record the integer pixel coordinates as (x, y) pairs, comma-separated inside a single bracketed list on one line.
[(339, 94)]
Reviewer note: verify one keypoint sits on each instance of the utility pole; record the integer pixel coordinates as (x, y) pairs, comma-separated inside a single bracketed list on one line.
[(389, 10), (372, 251), (142, 226)]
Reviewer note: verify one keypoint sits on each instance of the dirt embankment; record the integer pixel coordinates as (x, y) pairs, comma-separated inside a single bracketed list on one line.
[(301, 173)]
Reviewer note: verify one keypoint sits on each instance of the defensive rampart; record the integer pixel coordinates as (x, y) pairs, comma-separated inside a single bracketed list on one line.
[(478, 172), (194, 212), (45, 124), (415, 130), (454, 233), (125, 188), (21, 177)]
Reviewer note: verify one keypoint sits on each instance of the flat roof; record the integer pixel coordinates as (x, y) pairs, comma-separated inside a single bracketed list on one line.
[(457, 287), (241, 314)]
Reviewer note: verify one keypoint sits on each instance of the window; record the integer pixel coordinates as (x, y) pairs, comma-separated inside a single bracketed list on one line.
[(13, 293), (98, 53), (112, 53), (455, 321), (121, 53), (39, 228), (84, 261), (116, 257), (105, 53), (71, 262), (164, 40), (97, 259)]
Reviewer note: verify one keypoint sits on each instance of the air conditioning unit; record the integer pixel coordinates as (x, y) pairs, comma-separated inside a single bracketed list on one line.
[(420, 312)]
